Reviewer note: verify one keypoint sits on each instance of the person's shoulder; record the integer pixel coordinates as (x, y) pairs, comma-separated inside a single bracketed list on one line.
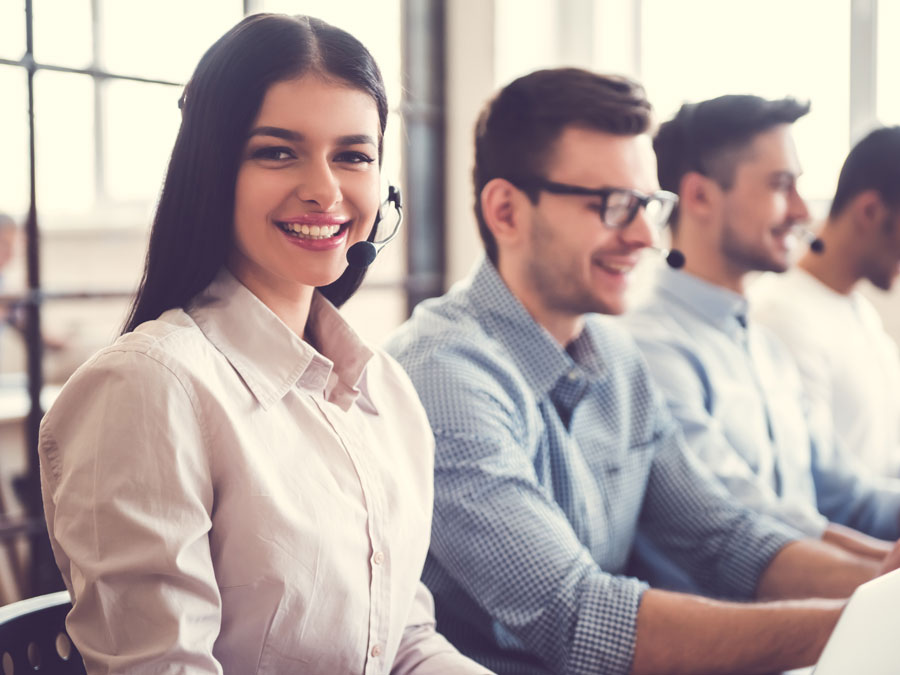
[(656, 321), (166, 348), (785, 296), (173, 340), (439, 326), (455, 359)]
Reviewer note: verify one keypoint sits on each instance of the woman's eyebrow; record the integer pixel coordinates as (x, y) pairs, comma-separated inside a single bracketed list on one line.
[(277, 132), (288, 135)]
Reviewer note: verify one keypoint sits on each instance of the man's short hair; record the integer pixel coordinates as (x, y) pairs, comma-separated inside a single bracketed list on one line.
[(516, 130), (709, 137), (873, 164)]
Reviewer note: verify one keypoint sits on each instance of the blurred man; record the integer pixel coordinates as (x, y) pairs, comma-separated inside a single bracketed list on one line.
[(849, 364), (9, 235), (732, 387), (553, 448)]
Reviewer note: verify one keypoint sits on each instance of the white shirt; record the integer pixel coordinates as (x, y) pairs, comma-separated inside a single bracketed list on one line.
[(849, 364), (220, 496)]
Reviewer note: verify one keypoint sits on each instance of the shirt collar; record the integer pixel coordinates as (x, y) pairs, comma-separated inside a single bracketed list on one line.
[(540, 359), (718, 306), (269, 356)]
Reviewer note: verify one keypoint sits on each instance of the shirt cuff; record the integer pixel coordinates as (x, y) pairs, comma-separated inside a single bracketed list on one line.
[(758, 543), (606, 631)]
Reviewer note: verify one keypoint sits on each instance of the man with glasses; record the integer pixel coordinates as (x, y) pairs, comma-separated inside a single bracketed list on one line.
[(553, 449), (732, 387)]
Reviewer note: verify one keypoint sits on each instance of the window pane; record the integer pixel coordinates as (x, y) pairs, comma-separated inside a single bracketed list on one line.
[(140, 125), (62, 32), (14, 166), (375, 24), (12, 29), (163, 39), (64, 136), (741, 49), (526, 36), (888, 106)]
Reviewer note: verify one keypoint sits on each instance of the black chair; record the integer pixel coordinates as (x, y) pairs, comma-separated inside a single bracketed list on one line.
[(33, 637)]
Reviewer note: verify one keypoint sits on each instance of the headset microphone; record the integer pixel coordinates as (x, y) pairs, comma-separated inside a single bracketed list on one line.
[(673, 256), (362, 253), (815, 244)]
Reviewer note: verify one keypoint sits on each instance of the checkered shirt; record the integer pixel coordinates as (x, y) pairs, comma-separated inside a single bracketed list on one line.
[(548, 462)]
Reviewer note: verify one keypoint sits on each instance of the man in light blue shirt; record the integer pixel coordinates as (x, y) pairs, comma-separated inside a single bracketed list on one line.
[(733, 388), (553, 448)]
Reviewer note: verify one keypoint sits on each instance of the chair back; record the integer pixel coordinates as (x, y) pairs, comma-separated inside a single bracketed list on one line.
[(33, 637)]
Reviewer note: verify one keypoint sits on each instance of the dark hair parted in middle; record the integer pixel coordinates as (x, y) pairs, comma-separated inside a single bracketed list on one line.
[(192, 231), (516, 130), (873, 164), (708, 137)]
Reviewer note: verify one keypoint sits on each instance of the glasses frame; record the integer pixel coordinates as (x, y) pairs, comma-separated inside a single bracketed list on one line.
[(641, 200)]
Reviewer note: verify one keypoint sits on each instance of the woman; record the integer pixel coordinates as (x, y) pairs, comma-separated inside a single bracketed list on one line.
[(239, 483)]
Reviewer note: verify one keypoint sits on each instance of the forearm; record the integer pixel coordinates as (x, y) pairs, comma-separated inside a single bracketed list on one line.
[(812, 568), (856, 542), (688, 634)]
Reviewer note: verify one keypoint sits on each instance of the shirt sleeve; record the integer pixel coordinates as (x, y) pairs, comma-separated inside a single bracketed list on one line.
[(498, 533), (128, 496), (678, 377), (852, 495), (423, 651), (725, 546)]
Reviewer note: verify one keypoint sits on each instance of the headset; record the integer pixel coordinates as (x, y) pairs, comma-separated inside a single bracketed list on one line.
[(363, 253)]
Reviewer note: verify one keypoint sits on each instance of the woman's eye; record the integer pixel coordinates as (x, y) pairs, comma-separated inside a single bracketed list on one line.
[(354, 157), (277, 153)]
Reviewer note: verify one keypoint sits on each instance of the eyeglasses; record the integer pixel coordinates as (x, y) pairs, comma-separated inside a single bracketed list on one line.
[(618, 206)]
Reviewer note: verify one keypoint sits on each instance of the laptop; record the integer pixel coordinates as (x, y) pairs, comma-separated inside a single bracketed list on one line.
[(867, 636)]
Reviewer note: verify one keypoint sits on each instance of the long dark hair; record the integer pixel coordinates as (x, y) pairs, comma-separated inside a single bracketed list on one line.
[(192, 231)]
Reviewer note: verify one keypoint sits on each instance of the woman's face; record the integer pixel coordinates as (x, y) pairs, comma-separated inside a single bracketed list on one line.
[(307, 187)]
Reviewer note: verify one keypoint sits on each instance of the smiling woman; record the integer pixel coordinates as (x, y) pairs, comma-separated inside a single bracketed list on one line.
[(239, 465), (307, 189)]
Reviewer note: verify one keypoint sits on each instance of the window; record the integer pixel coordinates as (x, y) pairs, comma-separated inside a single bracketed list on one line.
[(758, 48)]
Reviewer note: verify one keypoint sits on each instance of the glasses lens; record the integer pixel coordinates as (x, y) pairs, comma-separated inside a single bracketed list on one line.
[(658, 211), (620, 208)]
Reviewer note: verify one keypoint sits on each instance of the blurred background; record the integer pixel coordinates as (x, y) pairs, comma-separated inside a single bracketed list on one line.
[(88, 114)]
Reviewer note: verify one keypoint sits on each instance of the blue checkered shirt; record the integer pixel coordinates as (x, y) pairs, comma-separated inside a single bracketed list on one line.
[(548, 463)]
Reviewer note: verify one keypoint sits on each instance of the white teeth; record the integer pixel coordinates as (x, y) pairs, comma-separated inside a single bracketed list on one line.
[(311, 231)]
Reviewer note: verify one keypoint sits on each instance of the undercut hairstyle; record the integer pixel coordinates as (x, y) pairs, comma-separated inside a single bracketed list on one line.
[(712, 137), (518, 128), (193, 229), (873, 164)]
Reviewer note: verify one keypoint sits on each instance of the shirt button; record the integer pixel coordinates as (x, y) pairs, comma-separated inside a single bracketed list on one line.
[(378, 558), (573, 375), (376, 651)]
